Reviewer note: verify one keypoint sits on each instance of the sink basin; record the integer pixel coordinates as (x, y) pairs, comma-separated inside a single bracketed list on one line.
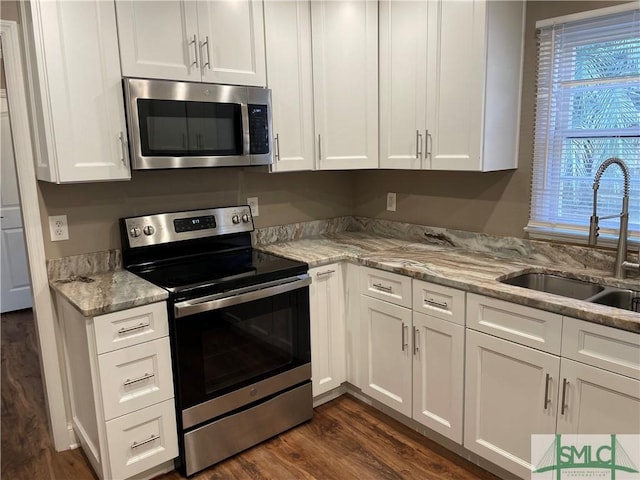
[(619, 298), (546, 282)]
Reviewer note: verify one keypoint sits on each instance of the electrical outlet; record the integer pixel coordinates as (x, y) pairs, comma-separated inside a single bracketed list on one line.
[(58, 227), (253, 204), (391, 202)]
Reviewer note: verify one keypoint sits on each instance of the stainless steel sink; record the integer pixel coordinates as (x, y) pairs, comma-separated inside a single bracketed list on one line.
[(619, 298), (549, 283)]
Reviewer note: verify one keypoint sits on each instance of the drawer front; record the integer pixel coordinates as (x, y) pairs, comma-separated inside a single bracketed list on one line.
[(611, 349), (135, 377), (524, 325), (131, 327), (386, 286), (445, 303), (142, 440)]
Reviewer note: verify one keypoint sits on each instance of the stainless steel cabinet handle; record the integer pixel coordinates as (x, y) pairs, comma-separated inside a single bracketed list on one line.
[(546, 391), (416, 340), (139, 326), (418, 145), (277, 147), (319, 147), (150, 439), (202, 44), (379, 286), (429, 142), (144, 377), (435, 303), (328, 272), (123, 152), (194, 41), (565, 384), (404, 343)]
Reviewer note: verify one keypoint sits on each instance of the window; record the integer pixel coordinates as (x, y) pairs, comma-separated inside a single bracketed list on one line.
[(588, 110)]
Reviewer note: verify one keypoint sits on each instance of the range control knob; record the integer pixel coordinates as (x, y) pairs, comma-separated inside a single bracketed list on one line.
[(148, 230), (135, 232), (235, 219), (245, 218)]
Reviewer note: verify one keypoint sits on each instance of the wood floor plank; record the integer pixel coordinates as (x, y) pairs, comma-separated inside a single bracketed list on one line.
[(345, 440)]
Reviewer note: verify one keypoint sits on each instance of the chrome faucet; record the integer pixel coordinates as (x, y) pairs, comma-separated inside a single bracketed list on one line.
[(621, 264)]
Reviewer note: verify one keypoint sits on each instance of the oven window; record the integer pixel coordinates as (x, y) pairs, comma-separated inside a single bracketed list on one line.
[(180, 128), (230, 348)]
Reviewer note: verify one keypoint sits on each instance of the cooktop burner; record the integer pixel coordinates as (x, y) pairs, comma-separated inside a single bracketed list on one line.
[(200, 252)]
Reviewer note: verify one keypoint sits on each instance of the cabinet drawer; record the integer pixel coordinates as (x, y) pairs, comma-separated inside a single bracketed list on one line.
[(142, 440), (130, 327), (445, 303), (604, 347), (386, 286), (524, 325), (135, 377)]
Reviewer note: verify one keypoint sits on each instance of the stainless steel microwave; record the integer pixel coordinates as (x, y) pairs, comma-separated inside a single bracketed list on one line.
[(185, 125)]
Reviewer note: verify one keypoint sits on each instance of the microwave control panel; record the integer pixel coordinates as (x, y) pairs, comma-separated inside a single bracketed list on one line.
[(258, 129)]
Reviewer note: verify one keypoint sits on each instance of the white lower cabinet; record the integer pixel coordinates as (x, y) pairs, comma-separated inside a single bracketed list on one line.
[(328, 330), (510, 393), (386, 330), (118, 368)]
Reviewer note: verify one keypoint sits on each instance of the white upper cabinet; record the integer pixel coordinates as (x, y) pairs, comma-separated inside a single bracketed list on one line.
[(465, 114), (345, 79), (76, 91), (289, 76), (219, 41)]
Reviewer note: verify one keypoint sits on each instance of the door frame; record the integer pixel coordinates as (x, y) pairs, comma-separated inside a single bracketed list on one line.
[(25, 171)]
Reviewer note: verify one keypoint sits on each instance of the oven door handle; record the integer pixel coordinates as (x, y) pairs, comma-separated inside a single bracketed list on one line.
[(199, 305)]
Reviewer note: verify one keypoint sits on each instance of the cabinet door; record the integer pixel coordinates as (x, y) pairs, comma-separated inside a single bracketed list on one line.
[(232, 42), (158, 39), (326, 298), (597, 401), (386, 353), (80, 88), (456, 85), (403, 82), (438, 374), (288, 48), (345, 79), (510, 393)]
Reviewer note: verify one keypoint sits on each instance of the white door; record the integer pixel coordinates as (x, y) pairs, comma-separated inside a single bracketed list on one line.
[(597, 401), (386, 353), (328, 330), (16, 285), (456, 86), (510, 394), (232, 42), (171, 55), (403, 83), (289, 76), (345, 82), (438, 374)]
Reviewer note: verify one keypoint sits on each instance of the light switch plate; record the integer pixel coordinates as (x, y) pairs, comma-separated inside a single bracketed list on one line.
[(391, 202), (253, 204)]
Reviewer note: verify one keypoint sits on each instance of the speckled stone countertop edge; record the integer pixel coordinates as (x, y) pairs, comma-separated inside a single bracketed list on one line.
[(107, 292), (400, 260)]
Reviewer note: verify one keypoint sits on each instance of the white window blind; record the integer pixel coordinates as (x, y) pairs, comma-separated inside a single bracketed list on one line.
[(588, 110)]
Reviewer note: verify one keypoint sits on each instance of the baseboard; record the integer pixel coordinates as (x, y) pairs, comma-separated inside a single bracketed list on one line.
[(73, 439)]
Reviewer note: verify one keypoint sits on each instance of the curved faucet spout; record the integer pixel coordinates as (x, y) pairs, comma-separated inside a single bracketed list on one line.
[(621, 254)]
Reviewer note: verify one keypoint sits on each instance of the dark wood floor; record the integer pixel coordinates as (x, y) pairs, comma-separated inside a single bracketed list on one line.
[(346, 439)]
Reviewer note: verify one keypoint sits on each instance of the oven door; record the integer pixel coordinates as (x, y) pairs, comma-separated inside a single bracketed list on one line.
[(237, 349)]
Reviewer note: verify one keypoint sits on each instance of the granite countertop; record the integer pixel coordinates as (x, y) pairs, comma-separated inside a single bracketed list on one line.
[(107, 292), (473, 271)]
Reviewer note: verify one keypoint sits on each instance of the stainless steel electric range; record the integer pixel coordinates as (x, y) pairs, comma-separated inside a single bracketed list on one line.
[(239, 329)]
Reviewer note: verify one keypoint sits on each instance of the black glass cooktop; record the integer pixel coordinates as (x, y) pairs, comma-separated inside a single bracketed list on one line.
[(209, 274)]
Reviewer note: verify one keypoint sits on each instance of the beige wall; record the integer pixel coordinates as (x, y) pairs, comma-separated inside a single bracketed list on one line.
[(93, 209), (495, 203)]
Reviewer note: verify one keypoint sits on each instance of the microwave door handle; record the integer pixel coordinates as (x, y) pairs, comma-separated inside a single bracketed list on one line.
[(192, 307), (246, 138)]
